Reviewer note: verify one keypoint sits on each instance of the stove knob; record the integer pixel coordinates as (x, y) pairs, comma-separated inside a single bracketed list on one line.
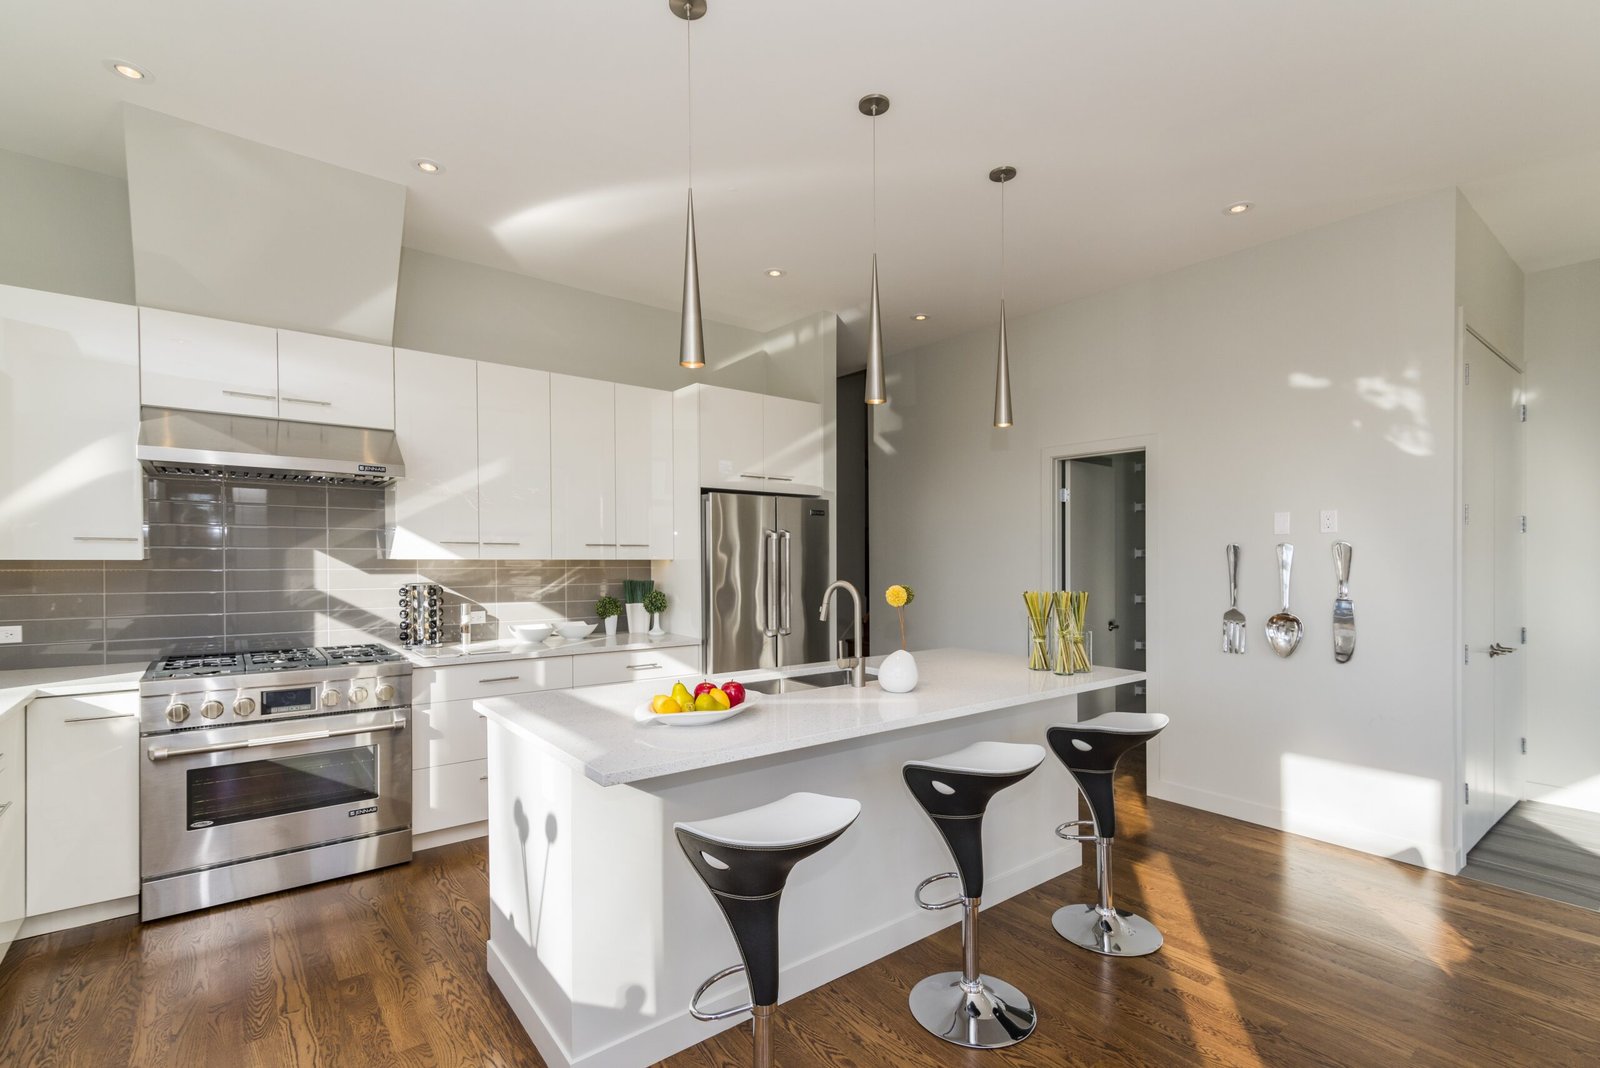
[(177, 712), (244, 706), (211, 709), (358, 695), (385, 693), (330, 698)]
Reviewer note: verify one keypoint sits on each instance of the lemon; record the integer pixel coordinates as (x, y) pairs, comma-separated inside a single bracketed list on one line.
[(665, 705)]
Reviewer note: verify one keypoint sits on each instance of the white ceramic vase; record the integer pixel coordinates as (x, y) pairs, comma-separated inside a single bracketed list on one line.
[(655, 625), (898, 674), (611, 626), (638, 618)]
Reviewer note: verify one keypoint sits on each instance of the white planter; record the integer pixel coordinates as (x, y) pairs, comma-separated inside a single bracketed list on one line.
[(898, 673), (655, 625), (638, 618), (611, 626)]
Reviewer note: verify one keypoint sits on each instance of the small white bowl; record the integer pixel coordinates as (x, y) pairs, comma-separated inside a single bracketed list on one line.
[(532, 632), (573, 630)]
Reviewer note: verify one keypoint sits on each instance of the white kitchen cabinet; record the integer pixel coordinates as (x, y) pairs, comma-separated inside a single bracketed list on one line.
[(583, 453), (70, 487), (514, 519), (83, 800), (644, 473), (13, 830), (498, 678), (335, 380), (207, 365), (450, 795), (436, 423), (602, 669), (749, 441)]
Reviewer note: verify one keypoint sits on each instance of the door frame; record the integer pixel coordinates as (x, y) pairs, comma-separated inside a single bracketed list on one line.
[(1458, 696)]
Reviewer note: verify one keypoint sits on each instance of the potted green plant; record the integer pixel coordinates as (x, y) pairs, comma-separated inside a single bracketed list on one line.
[(634, 592), (608, 609), (655, 602)]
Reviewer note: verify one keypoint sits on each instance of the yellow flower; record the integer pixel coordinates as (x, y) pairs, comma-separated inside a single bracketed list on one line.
[(897, 596)]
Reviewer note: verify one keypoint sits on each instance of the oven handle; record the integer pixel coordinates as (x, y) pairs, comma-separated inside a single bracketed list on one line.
[(161, 752)]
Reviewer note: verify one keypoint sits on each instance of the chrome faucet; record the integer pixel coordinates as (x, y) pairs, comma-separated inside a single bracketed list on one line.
[(858, 669)]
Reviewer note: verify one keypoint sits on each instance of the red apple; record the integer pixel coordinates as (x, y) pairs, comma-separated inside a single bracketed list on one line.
[(704, 687), (735, 692)]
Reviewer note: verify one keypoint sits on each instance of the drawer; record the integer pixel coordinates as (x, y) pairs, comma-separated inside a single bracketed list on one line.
[(598, 669), (449, 796), (468, 682), (447, 733)]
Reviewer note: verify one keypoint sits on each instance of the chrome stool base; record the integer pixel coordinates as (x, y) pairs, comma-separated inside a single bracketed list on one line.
[(992, 1016), (1111, 932)]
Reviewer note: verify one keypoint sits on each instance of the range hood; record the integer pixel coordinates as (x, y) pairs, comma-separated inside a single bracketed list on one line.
[(209, 445)]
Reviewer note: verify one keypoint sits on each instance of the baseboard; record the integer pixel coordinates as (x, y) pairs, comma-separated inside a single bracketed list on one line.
[(1433, 855), (449, 836), (672, 1033), (50, 922)]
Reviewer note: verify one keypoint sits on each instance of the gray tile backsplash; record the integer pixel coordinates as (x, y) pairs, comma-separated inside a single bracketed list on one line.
[(246, 565)]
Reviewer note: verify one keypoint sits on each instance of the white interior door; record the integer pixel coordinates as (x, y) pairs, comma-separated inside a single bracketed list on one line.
[(1492, 695)]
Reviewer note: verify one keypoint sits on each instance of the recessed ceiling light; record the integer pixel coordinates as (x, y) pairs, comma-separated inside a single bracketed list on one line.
[(427, 166), (920, 317), (1239, 208), (775, 272), (128, 70)]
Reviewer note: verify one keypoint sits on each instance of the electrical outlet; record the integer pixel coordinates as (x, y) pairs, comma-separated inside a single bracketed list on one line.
[(1330, 522), (480, 616), (10, 635), (1280, 523)]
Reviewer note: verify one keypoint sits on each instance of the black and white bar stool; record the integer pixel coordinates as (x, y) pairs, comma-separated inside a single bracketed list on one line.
[(745, 859), (1090, 750), (967, 1007)]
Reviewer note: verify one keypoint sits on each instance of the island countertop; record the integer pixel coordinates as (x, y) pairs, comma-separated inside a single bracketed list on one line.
[(595, 728)]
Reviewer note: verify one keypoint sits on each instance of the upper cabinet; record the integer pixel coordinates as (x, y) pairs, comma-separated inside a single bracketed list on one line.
[(212, 365), (436, 422), (207, 365), (513, 463), (70, 487), (611, 460), (749, 441), (335, 380)]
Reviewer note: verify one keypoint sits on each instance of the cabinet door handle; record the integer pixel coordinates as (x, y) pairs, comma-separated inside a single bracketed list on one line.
[(500, 543), (92, 537), (500, 678), (458, 541), (762, 477), (483, 778), (252, 396), (599, 545), (640, 667), (94, 719), (780, 478), (634, 545), (303, 400)]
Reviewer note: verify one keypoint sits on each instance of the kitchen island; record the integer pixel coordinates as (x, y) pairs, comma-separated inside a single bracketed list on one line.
[(599, 929)]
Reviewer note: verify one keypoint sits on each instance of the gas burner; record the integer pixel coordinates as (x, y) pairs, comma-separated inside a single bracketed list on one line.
[(360, 654), (195, 666), (284, 659)]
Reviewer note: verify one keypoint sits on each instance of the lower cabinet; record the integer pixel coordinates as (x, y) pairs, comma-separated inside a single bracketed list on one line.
[(83, 801), (13, 839), (453, 795)]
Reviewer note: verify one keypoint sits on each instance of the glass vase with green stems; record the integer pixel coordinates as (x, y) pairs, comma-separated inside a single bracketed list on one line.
[(1039, 604), (1071, 611)]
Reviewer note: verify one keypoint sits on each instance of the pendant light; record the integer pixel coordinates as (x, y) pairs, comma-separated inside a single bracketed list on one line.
[(692, 339), (1002, 360), (872, 105)]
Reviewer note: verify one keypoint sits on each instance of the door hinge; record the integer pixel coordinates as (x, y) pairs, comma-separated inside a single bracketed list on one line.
[(1524, 523), (1466, 376), (1065, 496), (1466, 655), (1524, 747), (1524, 408), (1466, 793), (1524, 635), (1466, 513)]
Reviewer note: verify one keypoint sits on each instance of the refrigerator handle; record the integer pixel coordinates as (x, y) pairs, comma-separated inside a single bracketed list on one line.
[(769, 583), (783, 536)]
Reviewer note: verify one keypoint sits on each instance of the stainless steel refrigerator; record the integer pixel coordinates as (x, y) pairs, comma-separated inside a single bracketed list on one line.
[(766, 565)]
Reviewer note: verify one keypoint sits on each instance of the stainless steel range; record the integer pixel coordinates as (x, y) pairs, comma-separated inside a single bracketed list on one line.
[(271, 769)]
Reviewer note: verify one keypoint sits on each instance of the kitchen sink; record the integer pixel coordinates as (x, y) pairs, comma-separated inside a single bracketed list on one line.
[(822, 680)]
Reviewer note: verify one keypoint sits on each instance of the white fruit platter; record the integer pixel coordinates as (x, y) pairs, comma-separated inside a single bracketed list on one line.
[(645, 714)]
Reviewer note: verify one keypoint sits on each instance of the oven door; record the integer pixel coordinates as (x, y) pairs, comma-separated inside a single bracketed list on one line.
[(215, 796)]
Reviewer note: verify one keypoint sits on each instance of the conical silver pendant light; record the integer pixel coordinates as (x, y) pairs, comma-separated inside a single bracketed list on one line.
[(1002, 360), (873, 105), (692, 340)]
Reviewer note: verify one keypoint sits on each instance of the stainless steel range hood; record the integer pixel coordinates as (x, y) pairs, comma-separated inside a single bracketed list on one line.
[(208, 445)]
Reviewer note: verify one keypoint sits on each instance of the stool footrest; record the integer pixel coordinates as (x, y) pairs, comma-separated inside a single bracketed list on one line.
[(694, 1002), (1061, 831), (929, 881)]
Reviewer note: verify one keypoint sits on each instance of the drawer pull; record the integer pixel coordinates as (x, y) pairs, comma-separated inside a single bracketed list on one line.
[(641, 667), (93, 719), (500, 678), (252, 396), (7, 806), (303, 400), (83, 537), (483, 778)]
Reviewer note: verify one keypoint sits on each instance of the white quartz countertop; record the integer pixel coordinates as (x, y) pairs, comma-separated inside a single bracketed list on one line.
[(510, 649), (19, 687), (595, 727)]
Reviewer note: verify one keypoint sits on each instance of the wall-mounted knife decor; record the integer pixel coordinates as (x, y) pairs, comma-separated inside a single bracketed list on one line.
[(1344, 610)]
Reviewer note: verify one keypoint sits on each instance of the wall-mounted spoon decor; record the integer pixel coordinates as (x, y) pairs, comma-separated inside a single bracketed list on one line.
[(1285, 630)]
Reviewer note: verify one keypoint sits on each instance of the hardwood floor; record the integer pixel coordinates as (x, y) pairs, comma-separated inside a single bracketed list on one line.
[(1280, 951), (1542, 849)]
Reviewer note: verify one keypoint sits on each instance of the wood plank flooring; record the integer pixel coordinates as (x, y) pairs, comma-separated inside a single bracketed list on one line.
[(1280, 951), (1541, 849)]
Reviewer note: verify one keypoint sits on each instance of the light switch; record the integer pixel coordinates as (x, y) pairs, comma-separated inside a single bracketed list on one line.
[(1280, 522), (1330, 522), (10, 635)]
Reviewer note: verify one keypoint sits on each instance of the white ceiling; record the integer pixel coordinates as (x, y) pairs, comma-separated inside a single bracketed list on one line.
[(561, 127)]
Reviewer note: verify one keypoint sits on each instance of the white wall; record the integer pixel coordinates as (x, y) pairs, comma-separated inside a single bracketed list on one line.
[(64, 229), (1563, 351), (1313, 372), (1489, 284)]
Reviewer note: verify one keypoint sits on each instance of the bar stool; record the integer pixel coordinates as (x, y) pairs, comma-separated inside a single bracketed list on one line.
[(745, 859), (1090, 750), (967, 1007)]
